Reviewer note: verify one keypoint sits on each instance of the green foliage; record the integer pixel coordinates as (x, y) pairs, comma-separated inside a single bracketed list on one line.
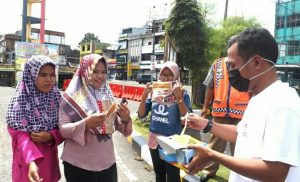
[(185, 27), (88, 37), (141, 127), (222, 175), (187, 30), (219, 37)]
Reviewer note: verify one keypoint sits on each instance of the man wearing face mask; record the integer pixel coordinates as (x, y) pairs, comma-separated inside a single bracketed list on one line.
[(228, 105), (268, 136)]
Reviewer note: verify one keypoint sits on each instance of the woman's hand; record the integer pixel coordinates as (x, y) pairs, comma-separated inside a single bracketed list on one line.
[(147, 90), (178, 91), (41, 136), (33, 175), (123, 112), (95, 120)]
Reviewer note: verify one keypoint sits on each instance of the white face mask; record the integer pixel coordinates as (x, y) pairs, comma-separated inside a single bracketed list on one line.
[(261, 72)]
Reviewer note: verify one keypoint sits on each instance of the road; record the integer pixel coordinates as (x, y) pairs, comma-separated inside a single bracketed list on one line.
[(129, 169)]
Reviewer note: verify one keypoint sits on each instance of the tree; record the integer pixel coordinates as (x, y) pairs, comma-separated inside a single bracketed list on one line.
[(73, 56), (88, 37), (187, 30), (229, 27)]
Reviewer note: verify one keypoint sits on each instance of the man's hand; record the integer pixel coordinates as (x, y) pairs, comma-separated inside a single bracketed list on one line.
[(200, 160), (33, 175), (41, 136), (204, 112), (95, 120), (195, 121)]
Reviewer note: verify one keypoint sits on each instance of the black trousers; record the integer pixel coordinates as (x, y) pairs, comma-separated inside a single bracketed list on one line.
[(76, 174), (164, 171)]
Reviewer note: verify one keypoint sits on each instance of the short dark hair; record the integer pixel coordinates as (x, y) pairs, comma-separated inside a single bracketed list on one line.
[(257, 41), (232, 40)]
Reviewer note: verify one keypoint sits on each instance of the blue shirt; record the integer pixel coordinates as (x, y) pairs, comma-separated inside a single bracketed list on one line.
[(165, 120)]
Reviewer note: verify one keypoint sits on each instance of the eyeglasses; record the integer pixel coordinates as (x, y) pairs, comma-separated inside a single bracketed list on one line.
[(167, 76)]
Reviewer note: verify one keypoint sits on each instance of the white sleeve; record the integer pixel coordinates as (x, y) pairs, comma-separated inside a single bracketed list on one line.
[(208, 82), (282, 137)]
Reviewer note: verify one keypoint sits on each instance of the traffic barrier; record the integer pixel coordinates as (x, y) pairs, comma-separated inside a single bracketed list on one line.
[(66, 84), (127, 92), (118, 90), (113, 88), (132, 92), (138, 94)]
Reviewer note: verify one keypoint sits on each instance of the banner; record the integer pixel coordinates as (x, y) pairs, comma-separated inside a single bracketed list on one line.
[(24, 50)]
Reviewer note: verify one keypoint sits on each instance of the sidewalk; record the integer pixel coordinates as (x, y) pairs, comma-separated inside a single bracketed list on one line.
[(139, 145)]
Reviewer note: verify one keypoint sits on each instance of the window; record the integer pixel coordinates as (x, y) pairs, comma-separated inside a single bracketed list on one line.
[(279, 22), (123, 44), (160, 57), (292, 20), (282, 49), (55, 39), (293, 47), (146, 57), (134, 58)]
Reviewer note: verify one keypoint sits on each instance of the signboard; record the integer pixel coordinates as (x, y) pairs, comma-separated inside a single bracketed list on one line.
[(129, 71), (121, 59), (24, 50)]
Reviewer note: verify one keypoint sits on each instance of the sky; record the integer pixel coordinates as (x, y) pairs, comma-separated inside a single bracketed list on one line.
[(106, 18)]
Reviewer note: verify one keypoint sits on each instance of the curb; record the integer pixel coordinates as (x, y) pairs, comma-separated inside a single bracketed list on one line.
[(139, 145)]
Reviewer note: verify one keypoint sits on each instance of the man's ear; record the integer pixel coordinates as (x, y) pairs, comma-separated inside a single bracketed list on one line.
[(258, 62)]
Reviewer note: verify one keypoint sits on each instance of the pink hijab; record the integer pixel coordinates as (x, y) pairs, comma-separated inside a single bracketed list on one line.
[(175, 70), (173, 67)]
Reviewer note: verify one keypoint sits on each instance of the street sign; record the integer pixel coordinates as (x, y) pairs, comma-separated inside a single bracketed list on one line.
[(152, 65)]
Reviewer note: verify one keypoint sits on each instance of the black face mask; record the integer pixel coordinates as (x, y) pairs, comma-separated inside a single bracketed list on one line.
[(237, 81)]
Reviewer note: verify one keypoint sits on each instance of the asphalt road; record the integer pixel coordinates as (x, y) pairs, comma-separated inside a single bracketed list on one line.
[(129, 169)]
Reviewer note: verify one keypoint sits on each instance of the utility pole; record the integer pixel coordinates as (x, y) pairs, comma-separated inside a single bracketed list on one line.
[(153, 27), (226, 7)]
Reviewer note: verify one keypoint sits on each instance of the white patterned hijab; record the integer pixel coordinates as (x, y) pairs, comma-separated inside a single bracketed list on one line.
[(29, 109), (80, 94)]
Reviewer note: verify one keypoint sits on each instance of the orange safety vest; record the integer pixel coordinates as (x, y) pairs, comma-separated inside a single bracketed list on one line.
[(228, 102)]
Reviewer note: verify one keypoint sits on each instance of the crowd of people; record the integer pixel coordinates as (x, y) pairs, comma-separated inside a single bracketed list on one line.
[(258, 114)]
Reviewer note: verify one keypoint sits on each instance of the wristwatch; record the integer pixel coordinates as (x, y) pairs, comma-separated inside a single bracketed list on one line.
[(208, 127)]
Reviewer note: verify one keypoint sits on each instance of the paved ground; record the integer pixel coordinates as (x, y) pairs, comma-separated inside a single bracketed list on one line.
[(129, 169)]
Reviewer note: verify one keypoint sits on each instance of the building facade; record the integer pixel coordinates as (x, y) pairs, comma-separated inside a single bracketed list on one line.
[(141, 50), (287, 35), (7, 43)]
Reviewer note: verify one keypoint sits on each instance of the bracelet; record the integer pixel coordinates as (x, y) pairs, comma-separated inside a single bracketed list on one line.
[(208, 127)]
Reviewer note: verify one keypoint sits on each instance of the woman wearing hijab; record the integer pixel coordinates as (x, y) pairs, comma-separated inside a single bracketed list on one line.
[(88, 152), (165, 118), (32, 119)]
